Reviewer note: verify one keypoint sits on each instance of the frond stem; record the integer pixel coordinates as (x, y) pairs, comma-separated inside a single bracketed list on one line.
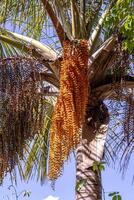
[(96, 32), (58, 27)]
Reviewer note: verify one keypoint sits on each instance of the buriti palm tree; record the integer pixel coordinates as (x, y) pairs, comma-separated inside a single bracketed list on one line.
[(87, 63)]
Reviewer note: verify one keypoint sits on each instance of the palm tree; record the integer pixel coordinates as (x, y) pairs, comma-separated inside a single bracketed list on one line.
[(88, 61)]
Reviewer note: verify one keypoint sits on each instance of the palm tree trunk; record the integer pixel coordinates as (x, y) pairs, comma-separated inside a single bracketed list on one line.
[(90, 150)]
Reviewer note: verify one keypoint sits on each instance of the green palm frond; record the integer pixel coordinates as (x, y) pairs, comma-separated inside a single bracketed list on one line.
[(33, 18), (27, 44), (29, 16), (62, 11), (11, 46), (37, 150)]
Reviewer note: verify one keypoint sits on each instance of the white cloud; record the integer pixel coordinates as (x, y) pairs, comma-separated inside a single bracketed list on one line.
[(51, 198)]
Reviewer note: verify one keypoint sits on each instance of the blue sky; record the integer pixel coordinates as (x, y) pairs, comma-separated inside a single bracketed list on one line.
[(64, 189)]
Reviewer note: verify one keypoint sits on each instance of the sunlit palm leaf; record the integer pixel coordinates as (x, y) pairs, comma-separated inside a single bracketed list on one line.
[(29, 16), (8, 50), (37, 151)]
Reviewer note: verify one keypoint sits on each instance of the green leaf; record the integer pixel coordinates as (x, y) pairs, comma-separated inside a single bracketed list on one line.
[(26, 193), (37, 151), (95, 168), (112, 194), (101, 167), (103, 163), (119, 197), (114, 197), (79, 184)]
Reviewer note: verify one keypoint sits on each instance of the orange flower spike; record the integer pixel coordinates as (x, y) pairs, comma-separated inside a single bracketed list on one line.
[(70, 107)]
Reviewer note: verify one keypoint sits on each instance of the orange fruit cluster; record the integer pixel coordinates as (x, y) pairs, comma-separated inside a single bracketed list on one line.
[(70, 108)]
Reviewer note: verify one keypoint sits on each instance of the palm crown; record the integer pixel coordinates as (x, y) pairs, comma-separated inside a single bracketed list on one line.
[(31, 75)]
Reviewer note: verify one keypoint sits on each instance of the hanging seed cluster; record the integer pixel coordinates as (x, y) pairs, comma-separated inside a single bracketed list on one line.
[(121, 107), (21, 109), (70, 107), (121, 69), (128, 117)]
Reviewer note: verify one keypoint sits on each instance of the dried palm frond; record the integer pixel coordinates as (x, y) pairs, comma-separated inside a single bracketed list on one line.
[(70, 108)]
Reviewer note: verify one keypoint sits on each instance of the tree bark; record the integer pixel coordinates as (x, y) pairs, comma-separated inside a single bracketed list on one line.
[(90, 150)]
